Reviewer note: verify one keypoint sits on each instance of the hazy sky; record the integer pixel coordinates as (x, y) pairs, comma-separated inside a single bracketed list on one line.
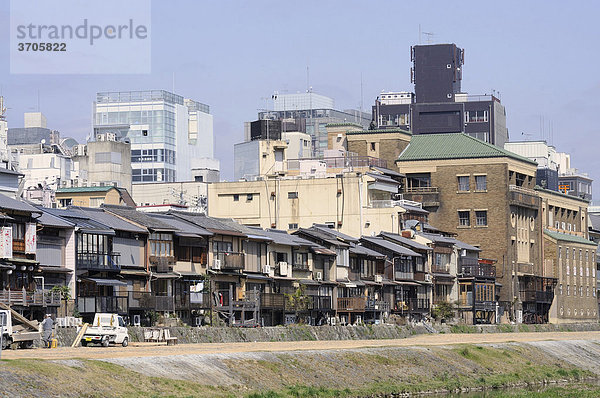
[(542, 56)]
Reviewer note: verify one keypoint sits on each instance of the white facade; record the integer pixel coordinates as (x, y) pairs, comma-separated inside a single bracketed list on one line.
[(45, 169), (300, 101), (299, 144), (34, 119), (396, 98), (545, 155), (166, 132)]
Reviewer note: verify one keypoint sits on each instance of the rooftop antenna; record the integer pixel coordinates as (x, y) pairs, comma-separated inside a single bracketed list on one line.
[(361, 96), (429, 36), (2, 109)]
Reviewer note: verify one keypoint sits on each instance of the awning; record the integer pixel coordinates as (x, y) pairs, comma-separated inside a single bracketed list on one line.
[(134, 272), (7, 266), (308, 282), (443, 282), (190, 274), (105, 282), (285, 278), (182, 234), (258, 277), (371, 283), (323, 251), (407, 283), (22, 261), (60, 270), (166, 275)]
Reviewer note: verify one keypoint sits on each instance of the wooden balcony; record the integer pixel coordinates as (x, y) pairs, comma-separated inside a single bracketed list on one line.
[(377, 305), (351, 304), (412, 305), (537, 296), (98, 261), (478, 270), (37, 298)]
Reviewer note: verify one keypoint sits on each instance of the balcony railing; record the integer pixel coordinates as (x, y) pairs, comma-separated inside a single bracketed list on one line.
[(230, 260), (37, 298), (192, 300), (99, 262), (478, 270), (116, 304), (279, 301), (521, 196), (341, 162), (351, 304), (537, 296), (383, 204), (428, 196), (403, 275), (300, 267), (525, 268), (377, 305), (162, 264), (440, 269), (412, 305)]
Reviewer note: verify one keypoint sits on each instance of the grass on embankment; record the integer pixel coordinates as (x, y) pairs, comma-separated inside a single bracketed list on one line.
[(364, 372)]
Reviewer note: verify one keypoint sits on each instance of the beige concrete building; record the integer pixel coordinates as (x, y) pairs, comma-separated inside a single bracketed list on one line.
[(104, 162), (93, 196), (569, 256), (191, 194), (353, 203)]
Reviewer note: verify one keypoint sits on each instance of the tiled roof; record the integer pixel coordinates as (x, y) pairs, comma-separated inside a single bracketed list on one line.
[(138, 217), (280, 237), (18, 205), (50, 220), (404, 241), (182, 226), (568, 238), (331, 231), (365, 251), (391, 246), (453, 146), (81, 221), (109, 219), (212, 224)]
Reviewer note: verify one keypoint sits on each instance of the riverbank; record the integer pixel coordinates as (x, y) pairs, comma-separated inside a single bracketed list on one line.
[(363, 372), (191, 335)]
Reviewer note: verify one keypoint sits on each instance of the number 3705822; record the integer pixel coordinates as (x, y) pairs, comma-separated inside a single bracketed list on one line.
[(42, 46)]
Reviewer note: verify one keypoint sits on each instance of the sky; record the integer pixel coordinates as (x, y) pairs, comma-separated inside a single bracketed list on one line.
[(541, 56)]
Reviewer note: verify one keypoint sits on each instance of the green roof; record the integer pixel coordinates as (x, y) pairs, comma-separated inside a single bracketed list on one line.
[(343, 125), (85, 189), (568, 238), (453, 146), (558, 193), (379, 131)]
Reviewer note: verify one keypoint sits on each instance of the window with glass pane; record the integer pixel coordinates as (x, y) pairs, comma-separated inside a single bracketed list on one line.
[(463, 183), (481, 183), (463, 219), (481, 218)]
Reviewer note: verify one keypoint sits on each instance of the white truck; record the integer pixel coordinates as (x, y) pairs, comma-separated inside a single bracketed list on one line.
[(17, 331), (106, 329)]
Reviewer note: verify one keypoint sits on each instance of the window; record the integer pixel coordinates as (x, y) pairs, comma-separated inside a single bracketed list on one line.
[(372, 146), (293, 226), (559, 252), (581, 291), (560, 289), (481, 218), (568, 291), (292, 195), (574, 270), (464, 219), (160, 244), (463, 183), (568, 272), (480, 183), (249, 197), (222, 247), (236, 198), (476, 116)]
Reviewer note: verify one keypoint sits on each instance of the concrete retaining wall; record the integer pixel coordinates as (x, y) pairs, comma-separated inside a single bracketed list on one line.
[(206, 334)]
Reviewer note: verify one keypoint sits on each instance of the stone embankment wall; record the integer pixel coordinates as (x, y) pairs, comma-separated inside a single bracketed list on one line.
[(206, 334)]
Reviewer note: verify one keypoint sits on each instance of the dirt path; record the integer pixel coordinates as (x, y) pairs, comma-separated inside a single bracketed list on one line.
[(148, 349)]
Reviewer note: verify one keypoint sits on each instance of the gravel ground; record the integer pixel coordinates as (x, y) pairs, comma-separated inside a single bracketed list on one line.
[(152, 350)]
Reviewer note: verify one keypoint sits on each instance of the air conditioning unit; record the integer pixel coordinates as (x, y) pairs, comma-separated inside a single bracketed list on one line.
[(283, 268), (427, 277), (319, 275), (378, 278), (137, 320), (266, 269), (217, 264)]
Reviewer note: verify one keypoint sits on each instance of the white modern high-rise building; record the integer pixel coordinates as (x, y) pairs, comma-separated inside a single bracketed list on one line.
[(166, 131)]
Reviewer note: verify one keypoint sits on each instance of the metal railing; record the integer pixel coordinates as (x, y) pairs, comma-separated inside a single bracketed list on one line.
[(440, 269), (340, 162), (230, 260), (421, 190), (523, 196), (354, 304), (98, 261), (536, 295), (412, 305), (383, 204), (116, 304), (485, 270), (377, 305)]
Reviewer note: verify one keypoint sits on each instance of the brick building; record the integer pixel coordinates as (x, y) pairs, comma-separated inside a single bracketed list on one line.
[(484, 194)]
